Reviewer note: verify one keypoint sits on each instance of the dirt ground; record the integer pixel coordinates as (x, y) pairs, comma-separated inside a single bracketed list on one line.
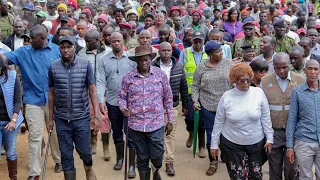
[(187, 167)]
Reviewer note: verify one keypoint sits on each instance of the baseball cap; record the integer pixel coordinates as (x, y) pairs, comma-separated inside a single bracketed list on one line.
[(161, 9), (145, 3), (51, 4), (301, 30), (148, 15), (41, 14), (26, 35), (248, 22), (248, 46), (68, 39), (64, 17), (125, 26), (41, 1), (198, 35), (211, 46), (28, 6), (279, 22), (10, 4)]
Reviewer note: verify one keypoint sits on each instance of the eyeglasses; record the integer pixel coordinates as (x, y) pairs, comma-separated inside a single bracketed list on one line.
[(242, 81), (248, 28)]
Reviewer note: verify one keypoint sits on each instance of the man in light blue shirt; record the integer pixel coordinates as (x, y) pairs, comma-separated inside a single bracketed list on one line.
[(303, 128), (34, 61)]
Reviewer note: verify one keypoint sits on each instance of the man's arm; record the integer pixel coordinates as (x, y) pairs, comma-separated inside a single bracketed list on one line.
[(94, 99), (101, 80), (167, 97), (292, 119), (12, 57), (184, 90), (181, 57), (51, 103)]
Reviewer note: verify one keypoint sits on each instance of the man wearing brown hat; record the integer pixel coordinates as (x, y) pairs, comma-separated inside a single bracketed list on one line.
[(144, 97)]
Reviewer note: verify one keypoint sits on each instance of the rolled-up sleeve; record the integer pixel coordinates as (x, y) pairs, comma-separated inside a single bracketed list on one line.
[(219, 122), (266, 119), (292, 119)]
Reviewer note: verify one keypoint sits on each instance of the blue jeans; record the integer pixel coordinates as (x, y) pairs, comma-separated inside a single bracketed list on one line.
[(149, 146), (118, 124), (190, 118), (78, 133), (9, 140), (208, 118)]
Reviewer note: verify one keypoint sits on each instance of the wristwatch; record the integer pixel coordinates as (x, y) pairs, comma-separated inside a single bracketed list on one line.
[(14, 120), (97, 118)]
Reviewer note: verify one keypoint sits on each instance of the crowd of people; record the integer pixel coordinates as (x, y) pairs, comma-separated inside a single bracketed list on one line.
[(122, 68)]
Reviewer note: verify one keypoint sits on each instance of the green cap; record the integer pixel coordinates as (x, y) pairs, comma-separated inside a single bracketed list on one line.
[(42, 14), (79, 1)]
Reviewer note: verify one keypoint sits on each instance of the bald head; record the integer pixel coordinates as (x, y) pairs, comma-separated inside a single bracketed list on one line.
[(82, 23), (281, 64), (145, 33), (38, 30), (165, 51), (92, 34), (116, 35), (164, 45), (116, 39), (144, 37), (312, 62), (297, 49), (312, 70)]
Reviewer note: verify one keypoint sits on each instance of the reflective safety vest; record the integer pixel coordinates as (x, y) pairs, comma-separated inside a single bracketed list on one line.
[(189, 66)]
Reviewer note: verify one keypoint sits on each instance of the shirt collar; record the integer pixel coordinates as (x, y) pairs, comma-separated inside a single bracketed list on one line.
[(288, 77), (137, 74), (124, 54), (170, 64), (72, 63), (306, 87)]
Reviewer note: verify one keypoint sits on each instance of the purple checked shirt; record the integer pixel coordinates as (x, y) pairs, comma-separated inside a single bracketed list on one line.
[(147, 98)]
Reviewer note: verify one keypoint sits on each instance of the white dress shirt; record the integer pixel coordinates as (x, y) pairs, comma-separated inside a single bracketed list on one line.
[(166, 69), (18, 42), (242, 117)]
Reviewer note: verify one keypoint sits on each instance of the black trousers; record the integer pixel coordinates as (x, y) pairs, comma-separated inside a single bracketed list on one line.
[(243, 161)]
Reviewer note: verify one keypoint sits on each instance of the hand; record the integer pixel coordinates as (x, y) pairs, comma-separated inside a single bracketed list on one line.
[(125, 112), (269, 146), (50, 126), (103, 109), (96, 125), (196, 106), (184, 112), (214, 153), (169, 128), (290, 155), (10, 126)]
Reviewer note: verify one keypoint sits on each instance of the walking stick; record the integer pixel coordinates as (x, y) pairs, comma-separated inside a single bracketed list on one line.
[(126, 152), (46, 157), (195, 132)]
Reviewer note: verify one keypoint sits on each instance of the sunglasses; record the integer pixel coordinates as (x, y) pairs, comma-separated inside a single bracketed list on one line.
[(248, 28), (242, 81)]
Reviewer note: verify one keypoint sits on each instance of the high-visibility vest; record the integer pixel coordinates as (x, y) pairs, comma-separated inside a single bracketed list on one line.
[(189, 66)]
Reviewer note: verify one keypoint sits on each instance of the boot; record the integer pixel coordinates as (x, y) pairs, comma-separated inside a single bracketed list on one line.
[(189, 140), (90, 175), (144, 175), (105, 143), (94, 138), (69, 175), (155, 173), (202, 151), (213, 167), (12, 168), (132, 157), (120, 151)]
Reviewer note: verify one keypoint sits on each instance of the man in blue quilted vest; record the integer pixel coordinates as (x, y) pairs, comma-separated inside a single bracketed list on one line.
[(71, 82)]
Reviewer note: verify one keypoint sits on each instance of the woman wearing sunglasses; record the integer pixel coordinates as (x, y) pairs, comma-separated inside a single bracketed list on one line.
[(242, 122), (210, 81), (10, 115)]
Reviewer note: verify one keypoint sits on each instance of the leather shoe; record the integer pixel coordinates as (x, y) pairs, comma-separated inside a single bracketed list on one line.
[(33, 178), (169, 169), (58, 168)]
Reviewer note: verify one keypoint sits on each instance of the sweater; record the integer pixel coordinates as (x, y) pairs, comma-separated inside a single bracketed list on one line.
[(177, 81), (243, 118), (209, 84)]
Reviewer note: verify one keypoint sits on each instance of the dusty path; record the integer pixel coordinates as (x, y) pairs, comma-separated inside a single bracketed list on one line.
[(187, 167)]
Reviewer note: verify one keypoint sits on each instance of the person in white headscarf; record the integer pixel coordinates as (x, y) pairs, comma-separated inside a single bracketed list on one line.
[(290, 33)]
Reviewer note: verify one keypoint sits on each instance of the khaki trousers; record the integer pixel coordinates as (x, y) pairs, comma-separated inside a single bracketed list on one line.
[(36, 117), (169, 141)]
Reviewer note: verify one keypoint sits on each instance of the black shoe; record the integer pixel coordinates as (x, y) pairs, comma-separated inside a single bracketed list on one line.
[(155, 173), (69, 175), (58, 168), (120, 155), (132, 166)]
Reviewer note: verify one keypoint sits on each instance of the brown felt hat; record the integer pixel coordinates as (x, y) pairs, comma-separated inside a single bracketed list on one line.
[(142, 51)]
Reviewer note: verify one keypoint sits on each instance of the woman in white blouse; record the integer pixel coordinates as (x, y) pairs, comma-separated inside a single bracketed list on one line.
[(243, 126)]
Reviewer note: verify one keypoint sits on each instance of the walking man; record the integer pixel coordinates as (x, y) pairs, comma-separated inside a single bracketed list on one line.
[(190, 58), (177, 79), (93, 51), (111, 69), (144, 97), (34, 62), (71, 81), (278, 86), (303, 124)]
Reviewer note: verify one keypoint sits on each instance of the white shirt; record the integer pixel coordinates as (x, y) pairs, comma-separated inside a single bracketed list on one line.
[(18, 42), (4, 48), (255, 15), (51, 18), (283, 83), (242, 117), (166, 69), (81, 41)]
